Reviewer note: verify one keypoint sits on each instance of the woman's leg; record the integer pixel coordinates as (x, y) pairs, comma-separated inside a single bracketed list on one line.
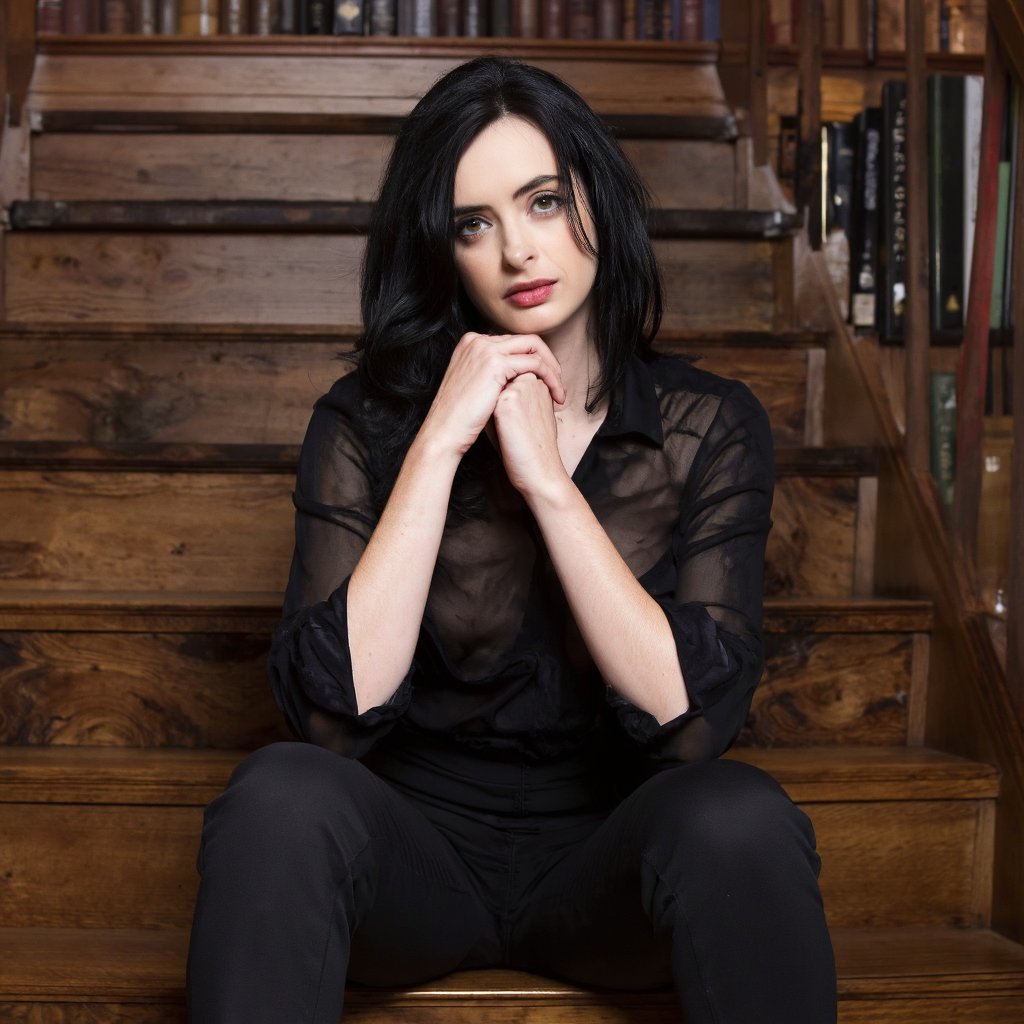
[(301, 851), (706, 876)]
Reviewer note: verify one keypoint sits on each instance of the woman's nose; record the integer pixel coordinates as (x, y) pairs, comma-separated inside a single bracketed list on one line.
[(518, 249)]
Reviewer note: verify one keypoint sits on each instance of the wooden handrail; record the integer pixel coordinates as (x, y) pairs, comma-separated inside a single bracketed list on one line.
[(1015, 616), (972, 374)]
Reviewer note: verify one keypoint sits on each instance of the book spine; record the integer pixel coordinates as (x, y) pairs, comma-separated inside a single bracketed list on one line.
[(199, 18), (553, 19), (711, 21), (288, 17), (629, 19), (449, 17), (526, 18), (383, 15), (973, 98), (500, 19), (117, 17), (864, 243), (473, 21), (692, 30), (942, 399), (893, 251), (840, 177), (648, 19), (609, 19), (168, 17), (946, 194), (234, 17), (81, 16), (145, 17), (582, 19), (50, 15), (342, 18)]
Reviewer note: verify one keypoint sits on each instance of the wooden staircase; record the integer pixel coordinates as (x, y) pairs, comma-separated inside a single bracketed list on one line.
[(179, 277)]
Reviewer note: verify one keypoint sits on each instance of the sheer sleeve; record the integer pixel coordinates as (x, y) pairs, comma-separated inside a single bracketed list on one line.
[(714, 603), (309, 665)]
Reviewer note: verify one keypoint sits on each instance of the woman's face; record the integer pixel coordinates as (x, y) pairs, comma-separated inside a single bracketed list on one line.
[(514, 248)]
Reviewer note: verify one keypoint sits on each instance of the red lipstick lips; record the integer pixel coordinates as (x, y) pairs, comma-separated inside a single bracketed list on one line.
[(530, 293)]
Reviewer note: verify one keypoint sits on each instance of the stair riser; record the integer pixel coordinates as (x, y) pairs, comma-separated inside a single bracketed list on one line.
[(209, 690), (681, 173), (234, 532), (976, 1009), (253, 392), (117, 866), (313, 279)]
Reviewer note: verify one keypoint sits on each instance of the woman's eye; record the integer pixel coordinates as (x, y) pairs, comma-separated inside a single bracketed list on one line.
[(470, 227), (547, 203)]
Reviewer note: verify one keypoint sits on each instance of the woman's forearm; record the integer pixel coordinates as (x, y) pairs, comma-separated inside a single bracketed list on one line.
[(388, 589), (624, 628)]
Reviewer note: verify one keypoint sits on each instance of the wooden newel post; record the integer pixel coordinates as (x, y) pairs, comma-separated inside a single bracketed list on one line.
[(915, 318)]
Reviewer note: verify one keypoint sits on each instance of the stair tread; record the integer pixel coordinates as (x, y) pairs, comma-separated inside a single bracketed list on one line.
[(92, 964), (198, 611), (120, 775), (152, 456), (331, 333), (348, 217)]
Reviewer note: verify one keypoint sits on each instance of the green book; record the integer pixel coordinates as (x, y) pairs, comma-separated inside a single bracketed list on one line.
[(942, 395)]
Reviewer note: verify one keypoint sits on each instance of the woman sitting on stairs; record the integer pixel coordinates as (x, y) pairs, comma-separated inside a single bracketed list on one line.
[(523, 619)]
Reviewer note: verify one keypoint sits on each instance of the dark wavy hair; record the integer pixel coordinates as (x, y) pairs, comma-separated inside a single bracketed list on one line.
[(414, 308)]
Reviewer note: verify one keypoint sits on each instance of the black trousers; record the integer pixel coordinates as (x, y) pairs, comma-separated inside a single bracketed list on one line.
[(315, 870)]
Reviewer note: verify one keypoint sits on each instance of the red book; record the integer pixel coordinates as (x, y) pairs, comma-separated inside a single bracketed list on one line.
[(50, 16), (692, 30), (449, 18), (81, 16), (553, 19)]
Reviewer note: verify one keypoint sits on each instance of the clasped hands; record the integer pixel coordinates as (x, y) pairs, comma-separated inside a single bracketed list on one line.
[(511, 386)]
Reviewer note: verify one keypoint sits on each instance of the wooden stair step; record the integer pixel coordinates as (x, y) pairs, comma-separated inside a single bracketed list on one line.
[(188, 385), (96, 156), (297, 216), (107, 516), (188, 670), (106, 837), (312, 277), (886, 976)]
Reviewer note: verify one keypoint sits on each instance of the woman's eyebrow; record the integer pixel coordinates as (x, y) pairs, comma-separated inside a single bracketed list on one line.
[(541, 179)]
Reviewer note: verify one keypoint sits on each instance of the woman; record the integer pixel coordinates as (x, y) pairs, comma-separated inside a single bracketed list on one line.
[(525, 608)]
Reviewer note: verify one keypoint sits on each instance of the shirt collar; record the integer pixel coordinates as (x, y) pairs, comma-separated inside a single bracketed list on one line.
[(634, 406)]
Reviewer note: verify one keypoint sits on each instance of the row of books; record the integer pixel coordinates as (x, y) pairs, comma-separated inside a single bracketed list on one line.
[(866, 199), (950, 26), (679, 20)]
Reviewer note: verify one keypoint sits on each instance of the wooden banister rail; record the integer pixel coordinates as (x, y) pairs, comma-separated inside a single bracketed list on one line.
[(972, 375), (1015, 623)]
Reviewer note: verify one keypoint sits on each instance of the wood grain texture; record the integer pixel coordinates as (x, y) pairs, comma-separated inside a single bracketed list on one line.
[(236, 391), (811, 546), (311, 279), (820, 689), (209, 690), (141, 166), (186, 531), (137, 690), (308, 83), (98, 866)]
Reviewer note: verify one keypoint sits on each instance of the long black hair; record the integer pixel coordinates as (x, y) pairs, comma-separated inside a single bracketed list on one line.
[(414, 308)]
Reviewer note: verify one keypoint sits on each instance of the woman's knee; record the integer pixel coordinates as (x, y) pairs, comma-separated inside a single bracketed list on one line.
[(287, 794), (725, 812)]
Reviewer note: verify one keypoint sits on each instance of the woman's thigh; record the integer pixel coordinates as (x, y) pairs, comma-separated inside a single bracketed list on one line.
[(716, 848)]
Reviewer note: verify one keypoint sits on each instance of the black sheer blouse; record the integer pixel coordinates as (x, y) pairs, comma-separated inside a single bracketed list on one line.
[(680, 475)]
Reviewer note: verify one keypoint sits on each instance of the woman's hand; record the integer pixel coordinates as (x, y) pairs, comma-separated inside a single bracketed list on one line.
[(524, 421), (481, 367)]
